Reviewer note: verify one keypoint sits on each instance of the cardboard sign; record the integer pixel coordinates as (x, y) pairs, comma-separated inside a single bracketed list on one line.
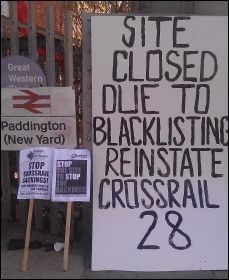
[(160, 143)]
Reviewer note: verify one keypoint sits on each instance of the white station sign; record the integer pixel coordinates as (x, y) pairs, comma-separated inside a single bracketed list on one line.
[(43, 116)]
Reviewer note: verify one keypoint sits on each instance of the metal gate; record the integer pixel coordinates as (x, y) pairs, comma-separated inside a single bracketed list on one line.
[(14, 42)]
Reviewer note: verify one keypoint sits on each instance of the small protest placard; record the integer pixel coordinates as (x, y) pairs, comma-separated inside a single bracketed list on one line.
[(71, 175), (62, 174), (35, 168)]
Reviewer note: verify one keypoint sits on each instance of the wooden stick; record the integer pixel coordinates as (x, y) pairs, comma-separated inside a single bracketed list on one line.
[(27, 238), (67, 233)]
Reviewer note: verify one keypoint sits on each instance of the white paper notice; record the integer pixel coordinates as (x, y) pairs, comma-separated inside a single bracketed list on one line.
[(71, 175), (35, 168)]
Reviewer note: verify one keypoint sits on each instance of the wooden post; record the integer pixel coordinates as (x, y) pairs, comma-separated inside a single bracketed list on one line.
[(67, 233), (27, 238)]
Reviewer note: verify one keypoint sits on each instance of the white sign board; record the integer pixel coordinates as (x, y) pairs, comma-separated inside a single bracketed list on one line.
[(42, 116), (71, 175), (35, 168), (160, 143)]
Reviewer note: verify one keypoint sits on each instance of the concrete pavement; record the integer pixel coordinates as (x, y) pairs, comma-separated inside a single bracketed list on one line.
[(49, 265)]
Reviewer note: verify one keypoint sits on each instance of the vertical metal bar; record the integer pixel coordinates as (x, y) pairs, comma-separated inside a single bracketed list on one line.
[(51, 81), (68, 78), (14, 50), (50, 46), (32, 47), (68, 49), (32, 31), (87, 127), (3, 36), (5, 189), (14, 39), (87, 80), (23, 203)]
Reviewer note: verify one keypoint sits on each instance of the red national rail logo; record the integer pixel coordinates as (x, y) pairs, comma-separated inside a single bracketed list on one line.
[(31, 104)]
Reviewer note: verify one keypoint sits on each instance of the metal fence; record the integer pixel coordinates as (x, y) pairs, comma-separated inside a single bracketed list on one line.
[(15, 42)]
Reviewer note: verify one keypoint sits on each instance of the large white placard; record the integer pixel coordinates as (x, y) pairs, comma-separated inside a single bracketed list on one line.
[(160, 143)]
